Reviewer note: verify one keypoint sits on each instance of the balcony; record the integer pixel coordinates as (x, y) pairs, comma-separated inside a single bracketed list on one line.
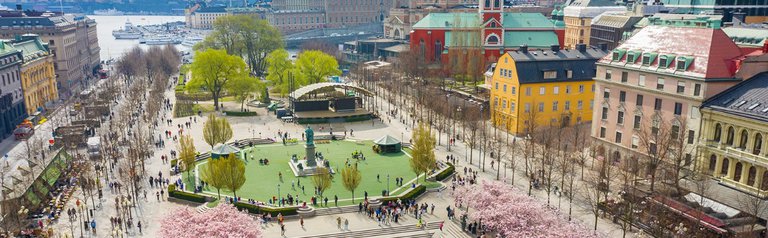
[(742, 187), (746, 156)]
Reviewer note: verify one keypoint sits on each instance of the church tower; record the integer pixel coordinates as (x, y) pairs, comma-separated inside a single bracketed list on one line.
[(491, 13)]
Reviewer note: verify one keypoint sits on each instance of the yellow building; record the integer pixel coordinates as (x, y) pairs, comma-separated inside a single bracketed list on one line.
[(578, 17), (38, 79), (734, 131), (549, 87)]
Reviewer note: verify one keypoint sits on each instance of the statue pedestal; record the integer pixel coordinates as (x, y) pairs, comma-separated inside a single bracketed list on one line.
[(310, 150)]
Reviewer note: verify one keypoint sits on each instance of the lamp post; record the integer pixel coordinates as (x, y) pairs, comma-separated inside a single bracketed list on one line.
[(278, 193)]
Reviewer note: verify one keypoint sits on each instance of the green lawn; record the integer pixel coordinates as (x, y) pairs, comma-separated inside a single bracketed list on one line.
[(261, 182)]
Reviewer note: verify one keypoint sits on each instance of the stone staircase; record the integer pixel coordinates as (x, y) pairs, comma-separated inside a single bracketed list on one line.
[(409, 230), (335, 210), (453, 230), (202, 208)]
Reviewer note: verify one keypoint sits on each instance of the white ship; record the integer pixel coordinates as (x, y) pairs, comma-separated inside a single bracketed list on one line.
[(108, 12), (128, 32), (191, 41), (161, 40)]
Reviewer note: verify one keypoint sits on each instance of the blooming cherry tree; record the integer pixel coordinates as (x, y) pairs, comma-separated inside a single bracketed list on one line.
[(511, 213), (222, 221)]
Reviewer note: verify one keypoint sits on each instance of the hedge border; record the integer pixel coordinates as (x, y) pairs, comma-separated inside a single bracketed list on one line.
[(240, 114), (446, 172), (256, 209), (172, 192), (413, 194)]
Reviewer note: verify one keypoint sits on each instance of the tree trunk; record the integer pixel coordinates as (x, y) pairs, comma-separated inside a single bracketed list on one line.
[(218, 192)]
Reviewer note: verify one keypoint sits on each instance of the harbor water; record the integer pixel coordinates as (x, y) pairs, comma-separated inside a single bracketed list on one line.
[(112, 48)]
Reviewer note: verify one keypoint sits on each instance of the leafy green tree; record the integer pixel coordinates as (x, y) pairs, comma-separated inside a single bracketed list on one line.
[(315, 66), (351, 178), (212, 174), (423, 157), (278, 67), (212, 70), (322, 180), (233, 172), (216, 130), (242, 88), (246, 36), (187, 153)]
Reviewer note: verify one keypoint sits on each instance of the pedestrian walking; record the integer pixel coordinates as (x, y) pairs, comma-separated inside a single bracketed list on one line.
[(338, 222), (346, 224), (335, 200), (282, 229), (139, 226), (301, 220), (157, 194)]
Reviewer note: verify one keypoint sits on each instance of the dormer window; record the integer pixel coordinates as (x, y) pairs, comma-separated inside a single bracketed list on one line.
[(683, 63), (631, 57), (665, 61), (648, 58), (618, 54)]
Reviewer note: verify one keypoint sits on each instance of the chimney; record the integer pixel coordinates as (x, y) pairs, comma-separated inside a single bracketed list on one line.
[(765, 46), (581, 47), (524, 49), (18, 7), (555, 48)]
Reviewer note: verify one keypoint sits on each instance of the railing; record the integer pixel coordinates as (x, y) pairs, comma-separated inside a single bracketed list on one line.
[(743, 187), (747, 156)]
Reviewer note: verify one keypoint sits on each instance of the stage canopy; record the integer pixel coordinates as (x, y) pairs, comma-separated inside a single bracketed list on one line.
[(306, 90), (223, 150), (387, 144)]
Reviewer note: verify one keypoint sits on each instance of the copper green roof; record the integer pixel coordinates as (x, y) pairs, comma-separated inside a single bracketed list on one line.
[(6, 49), (747, 36), (32, 49), (534, 39), (470, 20)]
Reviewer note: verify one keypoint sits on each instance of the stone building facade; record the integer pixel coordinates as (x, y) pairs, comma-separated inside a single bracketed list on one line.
[(11, 96), (38, 79)]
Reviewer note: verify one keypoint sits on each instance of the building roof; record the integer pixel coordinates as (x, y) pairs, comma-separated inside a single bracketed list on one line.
[(591, 3), (747, 99), (387, 140), (303, 91), (533, 39), (212, 9), (712, 56), (753, 37), (398, 48), (611, 19), (31, 48), (472, 20), (531, 65), (6, 49)]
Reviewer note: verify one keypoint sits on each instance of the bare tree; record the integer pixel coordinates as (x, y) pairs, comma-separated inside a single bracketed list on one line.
[(655, 141)]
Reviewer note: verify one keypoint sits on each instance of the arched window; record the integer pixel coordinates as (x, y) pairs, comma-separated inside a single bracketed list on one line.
[(758, 144), (743, 139), (724, 167), (438, 50), (496, 3), (422, 48), (616, 157), (487, 3), (737, 171), (751, 176), (718, 132), (492, 40), (712, 163), (729, 137), (765, 181)]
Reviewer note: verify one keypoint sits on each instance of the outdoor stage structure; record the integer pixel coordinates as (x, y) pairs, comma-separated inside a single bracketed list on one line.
[(329, 102)]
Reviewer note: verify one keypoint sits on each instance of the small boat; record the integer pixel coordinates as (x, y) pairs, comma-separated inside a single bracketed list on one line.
[(128, 32), (191, 41), (162, 40)]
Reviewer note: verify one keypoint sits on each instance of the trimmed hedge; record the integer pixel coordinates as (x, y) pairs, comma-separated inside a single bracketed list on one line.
[(256, 209), (174, 162), (192, 197), (240, 114), (420, 189), (445, 173)]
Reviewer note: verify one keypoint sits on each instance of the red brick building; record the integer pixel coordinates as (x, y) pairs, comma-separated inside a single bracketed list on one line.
[(490, 30)]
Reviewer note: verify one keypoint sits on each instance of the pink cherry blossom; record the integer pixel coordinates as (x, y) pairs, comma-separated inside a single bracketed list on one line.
[(222, 221), (511, 213)]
